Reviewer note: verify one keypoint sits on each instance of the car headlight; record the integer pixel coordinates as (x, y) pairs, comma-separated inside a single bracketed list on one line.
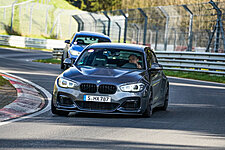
[(136, 87), (66, 83), (75, 53)]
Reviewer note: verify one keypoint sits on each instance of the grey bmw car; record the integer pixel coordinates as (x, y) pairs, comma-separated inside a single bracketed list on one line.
[(112, 78)]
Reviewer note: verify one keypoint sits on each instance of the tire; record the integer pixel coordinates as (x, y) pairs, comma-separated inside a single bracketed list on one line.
[(166, 100), (149, 109), (58, 112), (62, 64)]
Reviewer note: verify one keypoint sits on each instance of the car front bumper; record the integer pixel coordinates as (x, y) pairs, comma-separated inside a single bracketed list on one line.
[(121, 102)]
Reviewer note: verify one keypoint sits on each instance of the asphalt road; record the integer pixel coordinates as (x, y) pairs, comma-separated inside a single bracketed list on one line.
[(195, 118)]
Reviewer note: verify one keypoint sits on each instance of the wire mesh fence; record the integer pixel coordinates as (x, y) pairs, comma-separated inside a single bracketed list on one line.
[(196, 27), (37, 19)]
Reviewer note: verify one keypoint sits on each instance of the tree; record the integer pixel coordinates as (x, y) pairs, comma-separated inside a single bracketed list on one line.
[(97, 5)]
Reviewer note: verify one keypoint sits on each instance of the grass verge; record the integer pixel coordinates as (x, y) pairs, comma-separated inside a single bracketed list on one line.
[(30, 48), (49, 61), (196, 75), (3, 81)]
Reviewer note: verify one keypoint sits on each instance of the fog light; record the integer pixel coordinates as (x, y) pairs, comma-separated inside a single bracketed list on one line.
[(131, 104), (64, 100)]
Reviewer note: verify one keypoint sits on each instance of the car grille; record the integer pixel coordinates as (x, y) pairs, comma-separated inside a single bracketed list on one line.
[(88, 87), (92, 88), (96, 105), (107, 89)]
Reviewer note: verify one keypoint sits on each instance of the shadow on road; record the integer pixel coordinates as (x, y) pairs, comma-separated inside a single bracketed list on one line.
[(92, 144)]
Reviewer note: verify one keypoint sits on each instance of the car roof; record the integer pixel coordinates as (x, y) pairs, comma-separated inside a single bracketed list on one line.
[(124, 46), (92, 34)]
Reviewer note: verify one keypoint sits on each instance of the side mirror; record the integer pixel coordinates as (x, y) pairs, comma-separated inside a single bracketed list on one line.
[(67, 41), (156, 67), (67, 61)]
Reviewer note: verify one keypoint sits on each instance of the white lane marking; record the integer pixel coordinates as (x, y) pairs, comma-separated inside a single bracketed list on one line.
[(47, 94), (196, 80), (30, 73), (196, 85)]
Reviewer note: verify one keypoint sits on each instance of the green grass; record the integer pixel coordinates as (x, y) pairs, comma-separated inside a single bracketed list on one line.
[(3, 81), (30, 48), (196, 75), (62, 4), (49, 61)]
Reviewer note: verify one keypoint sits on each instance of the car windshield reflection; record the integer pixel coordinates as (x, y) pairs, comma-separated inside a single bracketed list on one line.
[(86, 40), (111, 58)]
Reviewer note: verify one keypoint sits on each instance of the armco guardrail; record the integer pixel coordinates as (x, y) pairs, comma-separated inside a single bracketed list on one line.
[(57, 53), (213, 63), (20, 41)]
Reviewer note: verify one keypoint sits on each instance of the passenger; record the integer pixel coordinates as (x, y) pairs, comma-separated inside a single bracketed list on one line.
[(134, 59)]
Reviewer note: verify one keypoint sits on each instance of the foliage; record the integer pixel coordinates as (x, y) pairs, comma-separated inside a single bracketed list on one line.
[(97, 5), (150, 3), (50, 60)]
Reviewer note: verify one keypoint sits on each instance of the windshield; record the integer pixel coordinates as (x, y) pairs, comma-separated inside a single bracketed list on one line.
[(86, 40), (111, 58)]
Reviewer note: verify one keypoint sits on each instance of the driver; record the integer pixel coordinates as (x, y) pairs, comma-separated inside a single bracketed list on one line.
[(134, 59)]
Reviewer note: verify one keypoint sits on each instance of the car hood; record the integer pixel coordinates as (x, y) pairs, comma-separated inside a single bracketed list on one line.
[(78, 48), (105, 75)]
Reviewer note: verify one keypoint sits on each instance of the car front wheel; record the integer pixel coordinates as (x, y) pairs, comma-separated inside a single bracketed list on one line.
[(166, 99), (149, 109)]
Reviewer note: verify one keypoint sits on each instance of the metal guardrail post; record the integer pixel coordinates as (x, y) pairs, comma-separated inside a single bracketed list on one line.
[(79, 22), (103, 31), (156, 36), (82, 25), (175, 38), (55, 22), (70, 24), (19, 11), (145, 25), (12, 15), (150, 38), (109, 21), (31, 11), (222, 32), (210, 39), (190, 34), (94, 20), (166, 27), (219, 27), (58, 29), (119, 31), (137, 29), (217, 37), (125, 26), (46, 21), (4, 14)]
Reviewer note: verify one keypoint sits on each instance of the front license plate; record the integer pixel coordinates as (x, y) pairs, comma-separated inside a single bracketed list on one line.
[(97, 98)]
